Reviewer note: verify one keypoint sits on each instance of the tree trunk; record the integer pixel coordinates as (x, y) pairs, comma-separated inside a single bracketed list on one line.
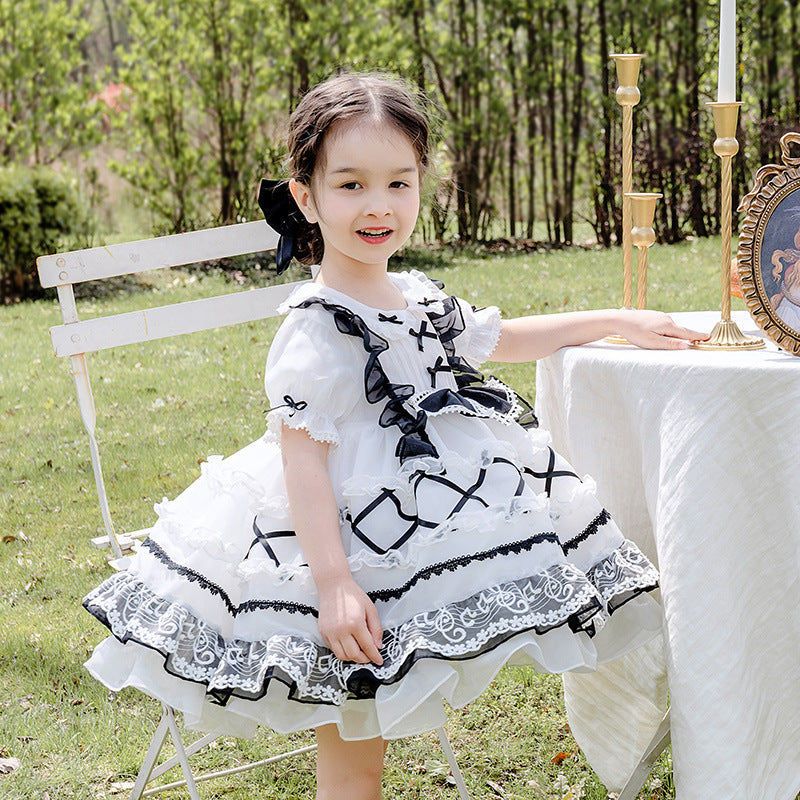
[(512, 138), (604, 194)]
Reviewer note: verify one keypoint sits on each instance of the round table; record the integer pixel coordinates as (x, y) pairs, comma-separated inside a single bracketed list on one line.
[(696, 455)]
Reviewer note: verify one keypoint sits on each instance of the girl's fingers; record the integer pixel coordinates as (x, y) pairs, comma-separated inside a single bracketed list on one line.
[(352, 651), (687, 333), (376, 631), (369, 651)]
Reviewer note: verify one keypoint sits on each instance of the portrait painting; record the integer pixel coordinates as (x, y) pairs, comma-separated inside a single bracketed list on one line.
[(769, 250), (780, 260)]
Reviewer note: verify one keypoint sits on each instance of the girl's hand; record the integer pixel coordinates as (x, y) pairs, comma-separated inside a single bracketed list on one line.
[(654, 330), (349, 623)]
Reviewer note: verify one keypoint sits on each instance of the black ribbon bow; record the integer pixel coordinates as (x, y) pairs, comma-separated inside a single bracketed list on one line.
[(282, 215)]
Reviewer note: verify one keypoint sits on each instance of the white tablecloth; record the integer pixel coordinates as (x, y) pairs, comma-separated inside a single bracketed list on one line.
[(697, 456)]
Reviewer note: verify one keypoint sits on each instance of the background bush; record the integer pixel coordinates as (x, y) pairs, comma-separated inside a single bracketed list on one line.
[(40, 212)]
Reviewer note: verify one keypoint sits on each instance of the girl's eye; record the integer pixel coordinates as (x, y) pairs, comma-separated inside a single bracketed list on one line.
[(398, 185), (351, 185)]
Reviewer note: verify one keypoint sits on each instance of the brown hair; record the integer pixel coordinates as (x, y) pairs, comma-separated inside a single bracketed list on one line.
[(347, 97)]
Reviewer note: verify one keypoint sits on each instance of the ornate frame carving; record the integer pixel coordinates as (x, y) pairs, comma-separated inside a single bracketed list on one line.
[(769, 249)]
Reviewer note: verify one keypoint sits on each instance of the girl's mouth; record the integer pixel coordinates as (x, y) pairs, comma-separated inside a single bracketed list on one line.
[(375, 235)]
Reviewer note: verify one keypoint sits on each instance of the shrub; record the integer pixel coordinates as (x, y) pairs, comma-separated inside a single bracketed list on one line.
[(40, 212)]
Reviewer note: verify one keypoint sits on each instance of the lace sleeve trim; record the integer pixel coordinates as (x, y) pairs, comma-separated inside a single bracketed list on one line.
[(316, 424)]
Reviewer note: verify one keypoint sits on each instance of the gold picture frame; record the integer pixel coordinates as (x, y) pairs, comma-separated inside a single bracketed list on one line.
[(769, 249)]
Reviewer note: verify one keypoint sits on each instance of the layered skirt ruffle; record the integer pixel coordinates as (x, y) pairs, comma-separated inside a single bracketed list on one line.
[(502, 555)]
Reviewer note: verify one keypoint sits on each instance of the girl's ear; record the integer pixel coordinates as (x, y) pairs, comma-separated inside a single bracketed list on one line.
[(302, 196)]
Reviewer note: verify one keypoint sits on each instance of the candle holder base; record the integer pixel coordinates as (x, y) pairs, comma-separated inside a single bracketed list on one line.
[(726, 335)]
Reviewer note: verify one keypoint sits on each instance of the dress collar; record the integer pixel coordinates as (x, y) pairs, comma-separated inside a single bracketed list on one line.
[(420, 292)]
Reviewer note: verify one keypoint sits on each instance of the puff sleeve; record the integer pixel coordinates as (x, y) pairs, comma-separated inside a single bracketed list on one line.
[(312, 378), (481, 332)]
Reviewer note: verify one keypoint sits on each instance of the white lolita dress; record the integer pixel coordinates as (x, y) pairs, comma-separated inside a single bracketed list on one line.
[(477, 543)]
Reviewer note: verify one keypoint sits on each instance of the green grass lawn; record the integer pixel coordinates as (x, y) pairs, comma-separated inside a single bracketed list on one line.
[(162, 409)]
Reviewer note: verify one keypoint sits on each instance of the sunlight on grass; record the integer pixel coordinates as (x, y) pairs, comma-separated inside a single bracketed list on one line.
[(161, 409)]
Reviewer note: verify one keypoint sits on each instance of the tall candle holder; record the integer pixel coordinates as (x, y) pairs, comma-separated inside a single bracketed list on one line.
[(643, 209), (726, 334), (627, 96)]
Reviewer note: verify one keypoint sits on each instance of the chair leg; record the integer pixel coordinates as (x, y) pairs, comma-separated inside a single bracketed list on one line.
[(657, 745), (166, 725), (180, 751), (463, 793), (150, 759)]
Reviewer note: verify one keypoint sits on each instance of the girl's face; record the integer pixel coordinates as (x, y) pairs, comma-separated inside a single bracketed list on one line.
[(364, 194)]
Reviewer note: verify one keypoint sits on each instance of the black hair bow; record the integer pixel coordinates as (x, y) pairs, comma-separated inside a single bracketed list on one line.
[(283, 215)]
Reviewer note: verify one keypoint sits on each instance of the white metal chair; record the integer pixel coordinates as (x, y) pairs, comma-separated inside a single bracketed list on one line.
[(659, 742), (75, 338)]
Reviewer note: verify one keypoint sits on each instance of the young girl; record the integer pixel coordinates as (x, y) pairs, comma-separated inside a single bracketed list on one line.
[(397, 536)]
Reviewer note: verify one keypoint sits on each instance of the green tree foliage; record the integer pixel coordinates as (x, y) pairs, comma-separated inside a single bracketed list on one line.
[(210, 83), (529, 133), (46, 105), (198, 77)]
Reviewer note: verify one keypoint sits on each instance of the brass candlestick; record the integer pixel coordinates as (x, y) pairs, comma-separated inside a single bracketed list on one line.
[(627, 96), (726, 334), (643, 209)]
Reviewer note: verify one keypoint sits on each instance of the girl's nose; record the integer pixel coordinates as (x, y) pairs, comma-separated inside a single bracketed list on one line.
[(377, 204)]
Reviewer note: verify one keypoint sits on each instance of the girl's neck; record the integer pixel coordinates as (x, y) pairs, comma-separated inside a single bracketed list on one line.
[(369, 284)]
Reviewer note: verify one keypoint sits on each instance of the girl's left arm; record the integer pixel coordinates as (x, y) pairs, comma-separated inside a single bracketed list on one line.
[(530, 338)]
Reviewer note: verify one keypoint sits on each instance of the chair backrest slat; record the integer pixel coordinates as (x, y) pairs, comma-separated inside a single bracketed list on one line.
[(97, 263), (76, 337), (102, 333)]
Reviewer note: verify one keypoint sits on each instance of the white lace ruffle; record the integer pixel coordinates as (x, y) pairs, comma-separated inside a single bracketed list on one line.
[(422, 288), (465, 629), (482, 454)]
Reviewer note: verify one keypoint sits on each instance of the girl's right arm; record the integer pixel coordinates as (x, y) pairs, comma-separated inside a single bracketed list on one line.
[(531, 338), (348, 619)]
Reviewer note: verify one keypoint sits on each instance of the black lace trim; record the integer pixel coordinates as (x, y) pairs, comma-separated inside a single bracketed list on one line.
[(453, 564), (414, 442), (212, 659), (433, 570), (191, 575), (276, 605), (195, 577), (458, 631), (601, 519)]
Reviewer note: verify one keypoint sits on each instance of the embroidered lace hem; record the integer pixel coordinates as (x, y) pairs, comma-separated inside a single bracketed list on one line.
[(561, 595)]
